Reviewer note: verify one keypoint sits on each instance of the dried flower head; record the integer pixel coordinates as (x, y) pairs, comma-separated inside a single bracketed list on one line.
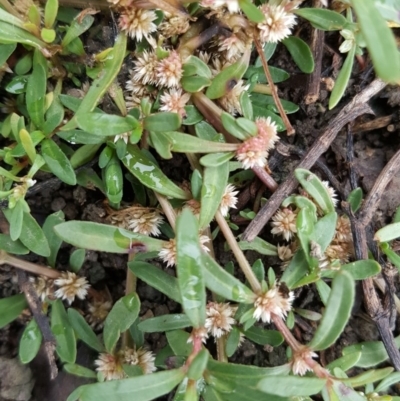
[(285, 252), (275, 301), (232, 45), (144, 70), (97, 313), (174, 101), (43, 286), (168, 251), (284, 223), (332, 193), (194, 206), (341, 252), (169, 70), (174, 25), (279, 20), (231, 5), (343, 230), (138, 23), (140, 357), (254, 151), (219, 319), (70, 286), (300, 365), (229, 199), (110, 366)]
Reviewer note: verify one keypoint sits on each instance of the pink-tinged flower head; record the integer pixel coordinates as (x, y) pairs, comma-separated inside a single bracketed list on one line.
[(254, 151), (284, 223), (229, 199), (219, 319), (279, 20), (138, 23), (110, 366), (275, 301), (144, 70), (174, 101), (169, 70), (140, 357)]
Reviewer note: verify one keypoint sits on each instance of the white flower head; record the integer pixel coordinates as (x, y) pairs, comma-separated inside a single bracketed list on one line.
[(97, 313), (174, 101), (229, 200), (169, 70), (231, 5), (332, 193), (70, 286), (200, 332), (299, 362), (274, 301), (278, 22), (43, 286), (145, 221), (110, 366), (219, 319), (125, 137), (144, 70), (138, 23), (230, 101), (140, 357), (233, 46), (284, 223)]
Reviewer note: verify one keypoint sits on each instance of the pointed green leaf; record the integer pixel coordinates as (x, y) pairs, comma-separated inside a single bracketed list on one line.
[(10, 33), (54, 241), (259, 245), (6, 51), (83, 331), (16, 217), (121, 317), (337, 312), (216, 159), (78, 370), (30, 342), (301, 53), (342, 79), (388, 233), (189, 269), (368, 377), (346, 362), (141, 388), (263, 336), (150, 175), (77, 27), (324, 230), (156, 278), (63, 332), (194, 84), (324, 19), (11, 308), (388, 381), (291, 386), (165, 323), (355, 198), (33, 237), (162, 122), (224, 284), (10, 246), (251, 11), (178, 341)]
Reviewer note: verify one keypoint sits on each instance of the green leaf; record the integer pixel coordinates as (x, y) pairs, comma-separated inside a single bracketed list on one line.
[(259, 245), (16, 217), (232, 342), (337, 312), (113, 180), (36, 91), (391, 255), (246, 105), (105, 124), (76, 259), (314, 187), (83, 331), (33, 237), (301, 53), (215, 180), (178, 341), (80, 137), (58, 163), (100, 85), (380, 41), (195, 66), (323, 19), (205, 131), (6, 51), (77, 27), (162, 122), (216, 159), (29, 344), (63, 332), (105, 238), (232, 126), (370, 376), (277, 74), (360, 269), (157, 279), (388, 381), (224, 284), (121, 317), (355, 198), (388, 233), (50, 13), (84, 154), (54, 242), (291, 386), (198, 365), (222, 82), (78, 370), (195, 84), (165, 323), (345, 362), (149, 174), (342, 79), (141, 388), (10, 246), (263, 336), (263, 112), (372, 352), (251, 11), (323, 290), (11, 308), (324, 230), (193, 116), (54, 116), (189, 269)]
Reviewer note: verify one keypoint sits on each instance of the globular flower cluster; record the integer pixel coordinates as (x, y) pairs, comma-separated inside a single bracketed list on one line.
[(279, 20), (219, 319), (274, 301), (70, 286), (254, 151), (300, 365), (284, 223), (229, 200)]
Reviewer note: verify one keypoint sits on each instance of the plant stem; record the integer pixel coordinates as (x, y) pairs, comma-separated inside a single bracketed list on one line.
[(262, 88), (221, 354), (239, 255), (9, 8), (289, 128), (266, 179), (167, 208), (6, 258), (287, 335)]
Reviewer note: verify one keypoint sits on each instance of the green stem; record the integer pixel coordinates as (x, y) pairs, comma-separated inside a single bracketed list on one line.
[(167, 209), (262, 88), (239, 255)]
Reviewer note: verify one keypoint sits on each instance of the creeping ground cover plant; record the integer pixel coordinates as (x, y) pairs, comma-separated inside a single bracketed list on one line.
[(168, 113)]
